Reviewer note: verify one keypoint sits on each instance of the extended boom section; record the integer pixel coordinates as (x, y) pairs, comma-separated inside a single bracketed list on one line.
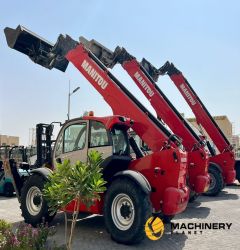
[(197, 156), (225, 158)]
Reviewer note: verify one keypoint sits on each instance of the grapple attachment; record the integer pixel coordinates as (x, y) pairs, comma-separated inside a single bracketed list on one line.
[(38, 49)]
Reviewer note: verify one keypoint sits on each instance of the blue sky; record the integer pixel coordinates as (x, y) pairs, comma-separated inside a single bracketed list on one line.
[(202, 38)]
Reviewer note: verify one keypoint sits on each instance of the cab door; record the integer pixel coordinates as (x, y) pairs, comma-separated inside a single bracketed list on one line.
[(72, 143), (99, 139)]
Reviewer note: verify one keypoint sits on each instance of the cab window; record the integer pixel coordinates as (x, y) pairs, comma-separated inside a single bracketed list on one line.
[(120, 142), (98, 135), (74, 137), (59, 145)]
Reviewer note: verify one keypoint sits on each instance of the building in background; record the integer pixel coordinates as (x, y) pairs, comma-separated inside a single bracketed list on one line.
[(222, 121), (9, 140), (236, 144), (32, 137), (236, 141)]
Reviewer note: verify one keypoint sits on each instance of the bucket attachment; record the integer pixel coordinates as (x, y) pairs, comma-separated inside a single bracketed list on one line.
[(106, 56), (38, 49)]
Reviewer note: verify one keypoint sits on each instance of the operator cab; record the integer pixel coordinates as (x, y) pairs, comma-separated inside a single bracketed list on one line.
[(107, 135)]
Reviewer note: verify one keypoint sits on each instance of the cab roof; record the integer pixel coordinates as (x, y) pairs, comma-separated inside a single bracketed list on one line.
[(108, 121)]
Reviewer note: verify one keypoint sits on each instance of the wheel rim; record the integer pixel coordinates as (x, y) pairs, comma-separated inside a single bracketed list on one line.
[(212, 182), (122, 212), (34, 200)]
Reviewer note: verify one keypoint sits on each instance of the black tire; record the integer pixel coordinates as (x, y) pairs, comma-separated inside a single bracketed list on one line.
[(139, 201), (237, 168), (166, 218), (8, 189), (216, 182), (36, 212), (193, 197)]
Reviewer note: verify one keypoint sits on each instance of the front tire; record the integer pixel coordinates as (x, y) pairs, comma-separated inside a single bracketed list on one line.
[(126, 210), (33, 205), (167, 218), (216, 181)]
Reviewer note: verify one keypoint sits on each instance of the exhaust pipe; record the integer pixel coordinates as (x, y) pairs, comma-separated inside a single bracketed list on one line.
[(40, 50)]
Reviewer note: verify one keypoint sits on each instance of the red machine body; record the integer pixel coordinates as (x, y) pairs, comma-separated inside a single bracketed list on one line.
[(225, 158), (199, 179), (166, 167), (170, 193), (168, 187)]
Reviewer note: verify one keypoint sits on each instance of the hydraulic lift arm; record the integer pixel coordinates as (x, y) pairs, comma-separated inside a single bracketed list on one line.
[(198, 158), (225, 159), (163, 107), (119, 98), (201, 113)]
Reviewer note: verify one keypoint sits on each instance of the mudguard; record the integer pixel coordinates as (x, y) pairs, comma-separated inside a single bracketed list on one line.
[(137, 177), (215, 166), (45, 172)]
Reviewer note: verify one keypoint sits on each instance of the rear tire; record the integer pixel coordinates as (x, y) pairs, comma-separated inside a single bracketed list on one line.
[(216, 181), (193, 196), (8, 189), (237, 168), (126, 210), (33, 205)]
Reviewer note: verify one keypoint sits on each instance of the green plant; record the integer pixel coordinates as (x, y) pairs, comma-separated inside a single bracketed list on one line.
[(81, 182), (3, 240), (4, 226)]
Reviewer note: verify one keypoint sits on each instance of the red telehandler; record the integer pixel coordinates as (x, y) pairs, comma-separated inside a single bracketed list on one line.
[(136, 188), (197, 156), (199, 179), (224, 159)]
